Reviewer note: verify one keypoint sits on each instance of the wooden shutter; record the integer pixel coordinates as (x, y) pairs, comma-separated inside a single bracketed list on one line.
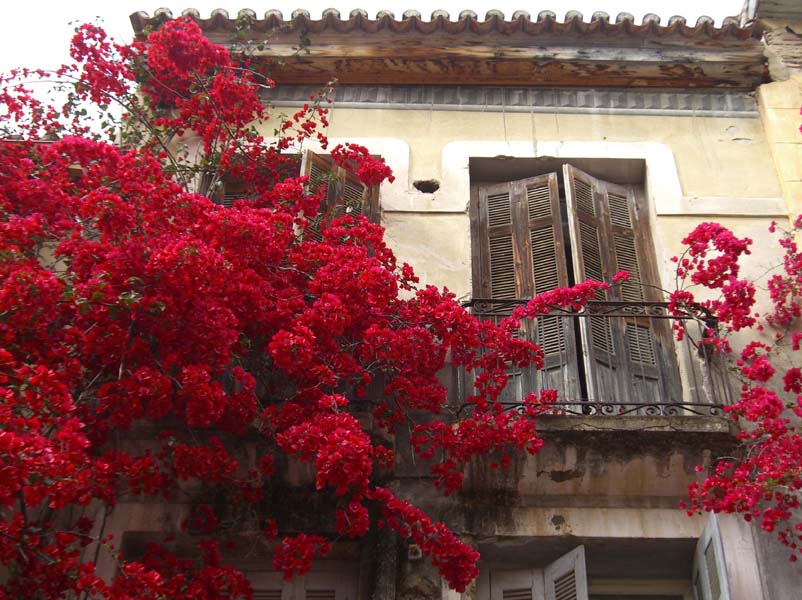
[(497, 265), (632, 358), (344, 192), (547, 269), (709, 575), (518, 252), (498, 258), (592, 259), (566, 578)]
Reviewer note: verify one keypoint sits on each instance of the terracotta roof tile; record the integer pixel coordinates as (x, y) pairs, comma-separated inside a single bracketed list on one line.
[(545, 22)]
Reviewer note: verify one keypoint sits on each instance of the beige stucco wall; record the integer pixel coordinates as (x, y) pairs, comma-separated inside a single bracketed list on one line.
[(698, 168), (780, 103)]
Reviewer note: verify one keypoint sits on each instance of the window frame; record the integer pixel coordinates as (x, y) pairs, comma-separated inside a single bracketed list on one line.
[(648, 376)]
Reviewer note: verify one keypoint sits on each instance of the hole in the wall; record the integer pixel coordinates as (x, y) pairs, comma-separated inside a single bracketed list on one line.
[(427, 186)]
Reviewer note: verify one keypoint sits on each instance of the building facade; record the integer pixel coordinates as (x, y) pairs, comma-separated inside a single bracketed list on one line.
[(531, 153)]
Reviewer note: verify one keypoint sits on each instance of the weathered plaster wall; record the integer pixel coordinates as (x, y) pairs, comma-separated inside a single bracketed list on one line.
[(698, 168), (780, 103), (619, 487), (582, 487)]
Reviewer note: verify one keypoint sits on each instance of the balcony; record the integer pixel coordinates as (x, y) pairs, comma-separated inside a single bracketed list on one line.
[(615, 359)]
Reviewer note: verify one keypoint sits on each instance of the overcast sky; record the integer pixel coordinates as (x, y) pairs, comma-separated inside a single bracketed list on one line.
[(37, 33)]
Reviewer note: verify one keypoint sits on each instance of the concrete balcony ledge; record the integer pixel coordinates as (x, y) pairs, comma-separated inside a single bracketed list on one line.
[(638, 423)]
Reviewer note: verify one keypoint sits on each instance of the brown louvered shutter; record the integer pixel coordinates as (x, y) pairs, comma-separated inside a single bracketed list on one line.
[(355, 198), (650, 341), (519, 252), (592, 259), (345, 194), (546, 263), (499, 254), (319, 169), (631, 357), (566, 578), (499, 258)]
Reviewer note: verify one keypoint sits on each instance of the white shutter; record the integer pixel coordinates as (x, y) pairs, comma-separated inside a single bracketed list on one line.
[(269, 586), (709, 575), (566, 577), (329, 586), (516, 585), (313, 586)]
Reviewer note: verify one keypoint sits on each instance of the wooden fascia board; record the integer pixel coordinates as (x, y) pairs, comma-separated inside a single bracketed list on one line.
[(527, 73), (515, 60)]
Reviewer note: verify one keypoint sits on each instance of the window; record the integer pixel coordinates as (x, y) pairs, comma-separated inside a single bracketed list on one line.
[(345, 194), (564, 579), (313, 586), (709, 569), (532, 235), (612, 572)]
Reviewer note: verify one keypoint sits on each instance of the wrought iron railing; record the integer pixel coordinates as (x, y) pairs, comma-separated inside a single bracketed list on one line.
[(617, 358)]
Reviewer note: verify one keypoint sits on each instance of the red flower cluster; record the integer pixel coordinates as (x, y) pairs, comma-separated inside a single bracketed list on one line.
[(763, 482), (133, 308)]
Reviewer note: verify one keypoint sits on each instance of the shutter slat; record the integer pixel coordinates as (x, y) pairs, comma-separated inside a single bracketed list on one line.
[(592, 255), (594, 260), (498, 210), (619, 210), (550, 335), (627, 257), (565, 587), (641, 345), (352, 198), (602, 334), (321, 595), (544, 265), (502, 267), (584, 197), (538, 200), (520, 594), (345, 193), (518, 251), (317, 176), (267, 595)]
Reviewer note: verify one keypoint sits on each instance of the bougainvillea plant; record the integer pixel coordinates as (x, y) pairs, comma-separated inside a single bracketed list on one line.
[(133, 307), (763, 481)]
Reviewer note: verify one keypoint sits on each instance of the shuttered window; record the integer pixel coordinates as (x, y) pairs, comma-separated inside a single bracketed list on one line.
[(709, 574), (564, 579), (345, 194), (521, 249), (228, 189), (313, 586)]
